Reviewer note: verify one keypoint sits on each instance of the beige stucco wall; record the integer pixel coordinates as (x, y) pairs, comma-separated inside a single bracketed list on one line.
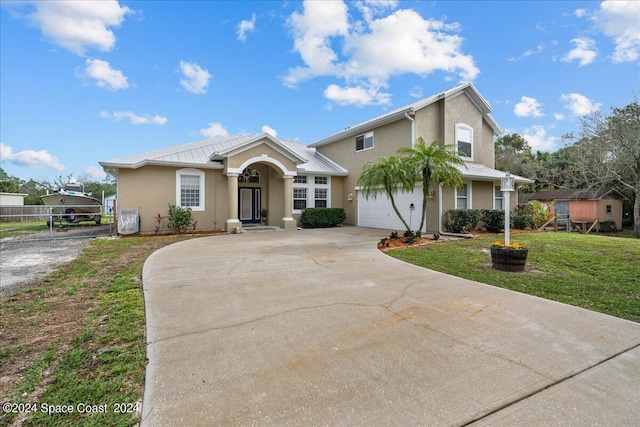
[(482, 196), (259, 151), (460, 109), (387, 140), (151, 189)]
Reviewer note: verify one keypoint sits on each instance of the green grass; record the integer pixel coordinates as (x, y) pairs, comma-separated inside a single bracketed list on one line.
[(15, 229), (600, 273), (94, 350)]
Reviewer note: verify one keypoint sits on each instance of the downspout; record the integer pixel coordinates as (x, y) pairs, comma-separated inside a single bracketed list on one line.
[(443, 233), (413, 130)]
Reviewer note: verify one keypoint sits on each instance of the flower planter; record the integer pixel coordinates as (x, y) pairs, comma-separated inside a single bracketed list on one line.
[(507, 259)]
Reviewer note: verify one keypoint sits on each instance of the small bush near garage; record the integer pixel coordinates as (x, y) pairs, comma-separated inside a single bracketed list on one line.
[(492, 220), (322, 217), (460, 220), (522, 217)]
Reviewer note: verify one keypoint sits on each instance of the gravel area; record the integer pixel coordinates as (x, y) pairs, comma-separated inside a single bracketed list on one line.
[(26, 259)]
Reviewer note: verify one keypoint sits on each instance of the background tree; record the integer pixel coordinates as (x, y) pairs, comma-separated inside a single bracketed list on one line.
[(387, 176), (616, 140), (512, 153), (433, 162)]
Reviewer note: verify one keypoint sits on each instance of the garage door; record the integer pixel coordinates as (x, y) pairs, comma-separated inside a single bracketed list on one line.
[(378, 213)]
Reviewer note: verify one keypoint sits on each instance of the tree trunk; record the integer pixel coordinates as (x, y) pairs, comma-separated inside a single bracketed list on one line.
[(395, 208)]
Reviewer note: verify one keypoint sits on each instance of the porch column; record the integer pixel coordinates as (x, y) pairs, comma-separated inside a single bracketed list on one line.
[(232, 217), (288, 221)]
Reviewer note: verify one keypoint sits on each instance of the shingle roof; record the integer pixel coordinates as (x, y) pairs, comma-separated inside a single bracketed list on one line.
[(579, 194)]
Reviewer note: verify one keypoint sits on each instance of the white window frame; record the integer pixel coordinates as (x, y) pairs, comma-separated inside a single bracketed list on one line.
[(497, 195), (316, 198), (365, 136), (464, 127), (310, 185), (306, 197), (469, 200), (190, 172)]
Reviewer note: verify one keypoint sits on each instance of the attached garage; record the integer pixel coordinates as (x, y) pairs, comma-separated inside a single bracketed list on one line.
[(378, 212)]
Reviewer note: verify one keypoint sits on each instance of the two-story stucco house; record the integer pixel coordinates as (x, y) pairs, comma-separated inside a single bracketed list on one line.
[(227, 180)]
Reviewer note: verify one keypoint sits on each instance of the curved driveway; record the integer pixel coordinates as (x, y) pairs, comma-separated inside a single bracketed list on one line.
[(317, 327)]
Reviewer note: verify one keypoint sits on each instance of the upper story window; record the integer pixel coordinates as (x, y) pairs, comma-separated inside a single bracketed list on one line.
[(464, 140), (190, 189), (364, 142), (300, 179)]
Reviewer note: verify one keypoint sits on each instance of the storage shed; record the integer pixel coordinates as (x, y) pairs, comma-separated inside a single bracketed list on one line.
[(603, 205)]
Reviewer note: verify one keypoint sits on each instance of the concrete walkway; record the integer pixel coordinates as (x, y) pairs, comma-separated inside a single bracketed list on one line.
[(317, 327)]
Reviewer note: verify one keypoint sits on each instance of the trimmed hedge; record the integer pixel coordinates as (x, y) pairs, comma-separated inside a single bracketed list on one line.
[(492, 220), (460, 220), (322, 217)]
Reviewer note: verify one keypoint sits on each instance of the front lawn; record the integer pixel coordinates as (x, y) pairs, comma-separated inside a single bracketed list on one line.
[(600, 273)]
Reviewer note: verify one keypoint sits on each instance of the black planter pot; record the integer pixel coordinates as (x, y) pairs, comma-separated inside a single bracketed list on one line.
[(508, 259)]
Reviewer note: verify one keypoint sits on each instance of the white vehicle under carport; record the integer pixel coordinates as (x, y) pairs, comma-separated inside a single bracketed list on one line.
[(72, 204)]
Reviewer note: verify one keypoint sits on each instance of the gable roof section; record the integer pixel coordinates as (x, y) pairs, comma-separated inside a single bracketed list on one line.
[(467, 88), (209, 153), (580, 194)]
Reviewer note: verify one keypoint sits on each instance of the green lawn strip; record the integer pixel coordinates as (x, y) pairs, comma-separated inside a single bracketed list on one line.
[(103, 362), (599, 273)]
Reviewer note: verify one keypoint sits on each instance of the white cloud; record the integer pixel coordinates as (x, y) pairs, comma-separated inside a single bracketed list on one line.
[(195, 78), (579, 105), (271, 131), (246, 26), (580, 13), (537, 138), (370, 8), (134, 119), (95, 172), (360, 96), (30, 158), (528, 107), (214, 129), (77, 25), (584, 51), (558, 116), (105, 76), (619, 19), (539, 49), (374, 51)]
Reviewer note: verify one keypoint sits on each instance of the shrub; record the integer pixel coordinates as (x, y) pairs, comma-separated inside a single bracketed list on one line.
[(179, 219), (492, 220), (459, 220), (522, 217), (322, 217)]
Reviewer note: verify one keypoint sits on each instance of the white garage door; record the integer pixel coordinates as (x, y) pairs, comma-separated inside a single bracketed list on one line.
[(378, 213)]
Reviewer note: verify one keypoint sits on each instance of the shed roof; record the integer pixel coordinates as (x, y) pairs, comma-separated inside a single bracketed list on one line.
[(579, 194)]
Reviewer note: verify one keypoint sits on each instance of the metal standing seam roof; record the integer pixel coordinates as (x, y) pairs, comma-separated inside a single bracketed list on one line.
[(201, 153), (398, 113), (484, 173)]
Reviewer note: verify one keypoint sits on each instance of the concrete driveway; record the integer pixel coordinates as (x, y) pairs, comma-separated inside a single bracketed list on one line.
[(317, 327)]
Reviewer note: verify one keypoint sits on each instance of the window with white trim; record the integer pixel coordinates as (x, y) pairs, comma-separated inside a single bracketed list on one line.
[(498, 203), (364, 141), (463, 197), (299, 199), (311, 191), (464, 140), (320, 197), (190, 189)]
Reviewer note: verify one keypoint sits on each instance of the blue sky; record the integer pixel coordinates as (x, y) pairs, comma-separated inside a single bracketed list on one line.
[(87, 81)]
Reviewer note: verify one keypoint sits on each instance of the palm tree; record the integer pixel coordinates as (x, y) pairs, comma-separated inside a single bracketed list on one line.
[(433, 162), (388, 175)]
